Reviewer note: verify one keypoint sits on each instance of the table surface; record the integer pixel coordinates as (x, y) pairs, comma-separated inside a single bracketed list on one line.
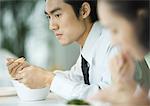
[(52, 100)]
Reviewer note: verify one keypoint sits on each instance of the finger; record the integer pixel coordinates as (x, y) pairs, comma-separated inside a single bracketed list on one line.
[(23, 68), (120, 61), (128, 72), (12, 66), (10, 61), (15, 69), (20, 69), (113, 68), (112, 64), (20, 60), (129, 67), (116, 67), (130, 60), (15, 63), (25, 65), (23, 73)]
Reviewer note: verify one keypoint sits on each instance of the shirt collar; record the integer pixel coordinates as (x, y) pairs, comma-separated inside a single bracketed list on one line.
[(88, 47)]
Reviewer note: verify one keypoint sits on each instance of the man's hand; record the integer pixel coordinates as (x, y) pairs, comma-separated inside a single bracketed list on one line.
[(35, 77), (31, 76), (15, 65)]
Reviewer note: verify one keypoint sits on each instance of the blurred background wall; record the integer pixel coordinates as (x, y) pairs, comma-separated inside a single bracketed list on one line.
[(24, 32)]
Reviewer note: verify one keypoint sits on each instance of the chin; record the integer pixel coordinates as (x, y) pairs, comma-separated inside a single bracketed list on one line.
[(65, 43), (138, 55)]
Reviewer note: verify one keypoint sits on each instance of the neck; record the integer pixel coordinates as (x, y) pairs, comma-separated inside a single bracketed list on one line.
[(141, 53), (82, 39)]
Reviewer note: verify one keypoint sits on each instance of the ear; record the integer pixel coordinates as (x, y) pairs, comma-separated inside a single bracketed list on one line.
[(85, 10), (142, 13)]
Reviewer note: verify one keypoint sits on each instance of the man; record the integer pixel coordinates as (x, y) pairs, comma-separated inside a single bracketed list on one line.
[(72, 21)]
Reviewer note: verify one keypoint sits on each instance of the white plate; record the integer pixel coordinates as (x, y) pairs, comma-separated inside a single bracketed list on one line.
[(7, 91)]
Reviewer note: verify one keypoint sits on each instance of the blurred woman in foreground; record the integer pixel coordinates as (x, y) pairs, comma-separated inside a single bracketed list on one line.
[(128, 21)]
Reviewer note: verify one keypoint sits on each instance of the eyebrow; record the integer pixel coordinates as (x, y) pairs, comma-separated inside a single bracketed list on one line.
[(53, 11)]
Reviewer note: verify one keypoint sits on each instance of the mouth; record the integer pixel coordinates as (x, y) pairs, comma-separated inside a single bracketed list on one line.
[(58, 35)]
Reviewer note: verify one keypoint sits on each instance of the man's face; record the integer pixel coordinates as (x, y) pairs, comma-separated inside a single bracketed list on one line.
[(63, 21)]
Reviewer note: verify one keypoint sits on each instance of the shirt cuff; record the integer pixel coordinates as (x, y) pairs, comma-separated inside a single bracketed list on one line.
[(61, 86)]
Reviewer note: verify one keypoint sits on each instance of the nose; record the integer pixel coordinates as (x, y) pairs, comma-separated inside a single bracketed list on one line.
[(53, 25)]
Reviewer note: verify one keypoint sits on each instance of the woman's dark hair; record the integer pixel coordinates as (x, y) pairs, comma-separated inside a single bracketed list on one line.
[(76, 5), (137, 12)]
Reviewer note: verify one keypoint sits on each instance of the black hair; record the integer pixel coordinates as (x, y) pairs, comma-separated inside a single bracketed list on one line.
[(76, 5), (137, 12)]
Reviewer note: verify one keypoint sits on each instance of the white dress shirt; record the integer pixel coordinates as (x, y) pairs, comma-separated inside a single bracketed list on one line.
[(97, 50)]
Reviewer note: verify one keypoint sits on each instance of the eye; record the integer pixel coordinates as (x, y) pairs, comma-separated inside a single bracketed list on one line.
[(48, 17), (57, 15)]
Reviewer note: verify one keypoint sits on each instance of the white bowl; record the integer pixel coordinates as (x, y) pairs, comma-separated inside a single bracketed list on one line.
[(27, 94)]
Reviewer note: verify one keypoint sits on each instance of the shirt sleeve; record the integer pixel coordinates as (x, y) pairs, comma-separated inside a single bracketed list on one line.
[(70, 89), (70, 84)]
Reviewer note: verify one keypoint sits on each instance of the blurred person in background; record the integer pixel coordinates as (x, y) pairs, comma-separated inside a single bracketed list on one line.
[(129, 23), (72, 21)]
